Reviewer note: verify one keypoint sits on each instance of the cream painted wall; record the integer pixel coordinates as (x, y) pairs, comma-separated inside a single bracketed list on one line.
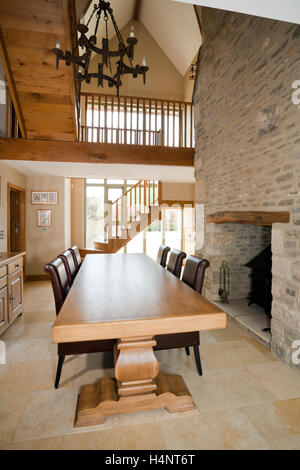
[(44, 244), (8, 175), (163, 79), (178, 191), (77, 212)]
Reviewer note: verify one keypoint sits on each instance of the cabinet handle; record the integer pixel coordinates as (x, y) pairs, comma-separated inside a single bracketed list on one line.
[(10, 298), (16, 265)]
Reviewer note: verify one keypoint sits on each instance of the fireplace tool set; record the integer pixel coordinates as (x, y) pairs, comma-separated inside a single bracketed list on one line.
[(224, 282)]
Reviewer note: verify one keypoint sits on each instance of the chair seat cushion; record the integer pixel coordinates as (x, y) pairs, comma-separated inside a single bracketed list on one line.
[(85, 347), (177, 340)]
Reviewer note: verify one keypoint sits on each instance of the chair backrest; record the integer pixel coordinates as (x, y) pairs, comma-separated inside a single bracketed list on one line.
[(175, 262), (194, 272), (162, 255), (69, 263), (60, 284), (76, 256)]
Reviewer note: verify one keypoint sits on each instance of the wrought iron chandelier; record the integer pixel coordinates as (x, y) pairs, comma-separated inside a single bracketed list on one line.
[(89, 44)]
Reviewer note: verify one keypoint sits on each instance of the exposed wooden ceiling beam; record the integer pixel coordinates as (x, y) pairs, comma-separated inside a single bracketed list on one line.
[(11, 85), (137, 8), (83, 152)]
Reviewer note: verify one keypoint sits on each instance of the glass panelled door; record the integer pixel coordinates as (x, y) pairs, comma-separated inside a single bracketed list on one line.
[(95, 223)]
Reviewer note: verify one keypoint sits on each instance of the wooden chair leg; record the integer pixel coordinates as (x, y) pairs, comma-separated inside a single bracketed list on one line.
[(187, 350), (58, 371), (197, 359)]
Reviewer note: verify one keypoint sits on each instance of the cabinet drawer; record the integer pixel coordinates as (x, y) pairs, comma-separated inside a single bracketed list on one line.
[(15, 295), (15, 266), (3, 271), (3, 282)]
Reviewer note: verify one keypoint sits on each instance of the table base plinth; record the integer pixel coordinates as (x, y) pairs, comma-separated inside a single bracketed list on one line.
[(96, 401)]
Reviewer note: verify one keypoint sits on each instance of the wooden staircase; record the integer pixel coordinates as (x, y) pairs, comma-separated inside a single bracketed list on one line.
[(130, 214)]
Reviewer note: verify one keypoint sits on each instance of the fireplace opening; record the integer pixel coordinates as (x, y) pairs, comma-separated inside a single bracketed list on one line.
[(261, 282), (245, 276), (238, 246)]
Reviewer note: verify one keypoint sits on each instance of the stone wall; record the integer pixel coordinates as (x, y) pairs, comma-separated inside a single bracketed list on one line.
[(248, 151)]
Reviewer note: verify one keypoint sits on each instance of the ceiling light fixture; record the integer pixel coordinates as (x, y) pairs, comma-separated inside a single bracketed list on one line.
[(89, 44)]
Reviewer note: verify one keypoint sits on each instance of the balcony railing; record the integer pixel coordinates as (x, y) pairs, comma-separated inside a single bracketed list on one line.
[(137, 121)]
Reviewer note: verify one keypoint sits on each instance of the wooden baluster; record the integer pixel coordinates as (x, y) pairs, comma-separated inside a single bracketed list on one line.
[(180, 124), (140, 199), (93, 118), (185, 124), (144, 122), (118, 121), (99, 108), (125, 120), (135, 203), (117, 218), (191, 124), (138, 120), (131, 113), (85, 118), (173, 124), (149, 193), (145, 202), (156, 130), (105, 119), (109, 220), (130, 206)]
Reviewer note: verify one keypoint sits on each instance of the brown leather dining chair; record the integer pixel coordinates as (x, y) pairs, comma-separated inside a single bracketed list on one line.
[(70, 267), (60, 285), (76, 257), (193, 276), (162, 255), (175, 262)]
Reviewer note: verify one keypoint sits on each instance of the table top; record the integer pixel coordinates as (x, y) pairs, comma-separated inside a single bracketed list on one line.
[(130, 295)]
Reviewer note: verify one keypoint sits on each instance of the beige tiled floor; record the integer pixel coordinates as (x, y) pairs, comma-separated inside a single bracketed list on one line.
[(246, 398)]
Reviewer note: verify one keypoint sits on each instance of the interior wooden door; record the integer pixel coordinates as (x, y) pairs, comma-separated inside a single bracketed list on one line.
[(3, 310), (16, 218), (15, 295)]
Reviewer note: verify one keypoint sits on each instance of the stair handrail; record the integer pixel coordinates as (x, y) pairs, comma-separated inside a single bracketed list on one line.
[(133, 215)]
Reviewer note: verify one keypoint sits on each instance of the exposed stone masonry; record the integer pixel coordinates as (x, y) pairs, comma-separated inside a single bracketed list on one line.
[(248, 154)]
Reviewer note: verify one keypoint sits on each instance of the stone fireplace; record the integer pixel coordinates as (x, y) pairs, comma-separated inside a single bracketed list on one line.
[(237, 237), (247, 158)]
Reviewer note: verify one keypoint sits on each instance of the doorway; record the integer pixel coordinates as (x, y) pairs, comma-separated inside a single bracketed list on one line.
[(15, 218)]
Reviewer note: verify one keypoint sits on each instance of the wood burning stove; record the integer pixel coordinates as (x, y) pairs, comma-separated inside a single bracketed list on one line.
[(261, 280)]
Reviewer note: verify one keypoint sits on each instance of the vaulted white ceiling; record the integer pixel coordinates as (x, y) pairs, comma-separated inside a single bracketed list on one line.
[(173, 25), (175, 29)]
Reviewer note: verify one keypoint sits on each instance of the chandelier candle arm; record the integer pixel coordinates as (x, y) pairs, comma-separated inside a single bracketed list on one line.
[(88, 44)]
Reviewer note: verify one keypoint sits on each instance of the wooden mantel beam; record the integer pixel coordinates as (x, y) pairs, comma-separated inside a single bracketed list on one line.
[(248, 217), (85, 152)]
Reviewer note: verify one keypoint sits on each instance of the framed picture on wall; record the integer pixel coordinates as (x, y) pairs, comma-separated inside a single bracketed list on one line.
[(53, 197), (44, 218), (35, 197), (44, 197)]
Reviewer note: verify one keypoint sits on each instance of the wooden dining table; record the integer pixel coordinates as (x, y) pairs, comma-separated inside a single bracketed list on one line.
[(131, 298)]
